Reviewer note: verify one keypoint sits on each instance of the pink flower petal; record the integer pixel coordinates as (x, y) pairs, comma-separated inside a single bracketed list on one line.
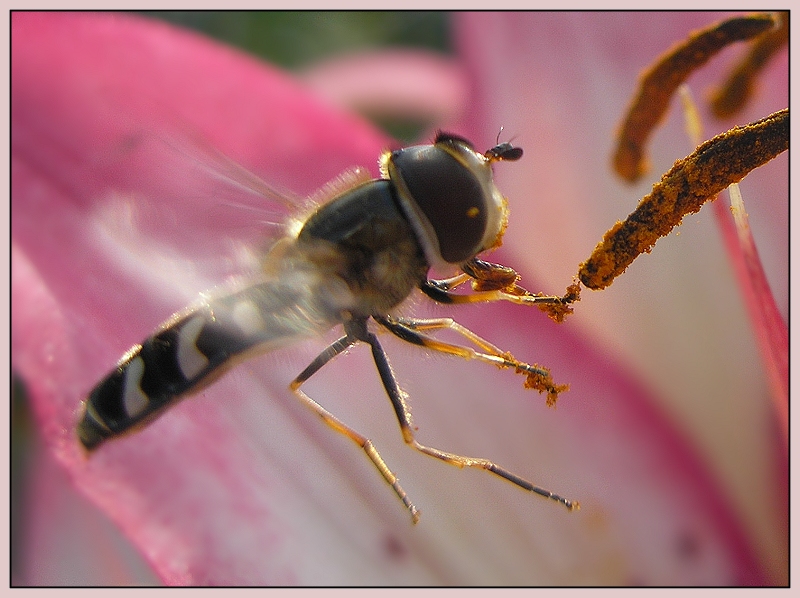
[(240, 485), (102, 558), (771, 329), (399, 83), (559, 84)]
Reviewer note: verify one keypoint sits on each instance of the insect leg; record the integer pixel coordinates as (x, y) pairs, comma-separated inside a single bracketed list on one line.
[(365, 443), (404, 413), (441, 294), (495, 282), (537, 377)]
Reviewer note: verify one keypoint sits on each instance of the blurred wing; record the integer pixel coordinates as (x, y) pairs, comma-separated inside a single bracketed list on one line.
[(197, 218)]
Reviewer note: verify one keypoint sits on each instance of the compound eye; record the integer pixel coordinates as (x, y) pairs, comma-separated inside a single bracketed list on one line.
[(449, 195)]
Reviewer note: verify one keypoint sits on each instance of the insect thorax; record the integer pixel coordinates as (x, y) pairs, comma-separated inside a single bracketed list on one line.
[(362, 238)]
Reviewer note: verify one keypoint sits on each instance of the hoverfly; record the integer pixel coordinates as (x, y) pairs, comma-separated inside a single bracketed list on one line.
[(354, 259)]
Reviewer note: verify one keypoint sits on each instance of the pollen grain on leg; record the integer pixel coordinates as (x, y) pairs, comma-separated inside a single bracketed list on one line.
[(539, 378), (558, 311)]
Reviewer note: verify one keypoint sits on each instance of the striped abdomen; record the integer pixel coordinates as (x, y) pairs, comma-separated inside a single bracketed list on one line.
[(194, 348)]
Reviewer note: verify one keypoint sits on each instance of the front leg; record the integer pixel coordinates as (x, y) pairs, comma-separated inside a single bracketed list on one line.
[(413, 331), (495, 282)]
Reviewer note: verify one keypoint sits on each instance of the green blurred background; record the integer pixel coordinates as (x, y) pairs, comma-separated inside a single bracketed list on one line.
[(297, 39)]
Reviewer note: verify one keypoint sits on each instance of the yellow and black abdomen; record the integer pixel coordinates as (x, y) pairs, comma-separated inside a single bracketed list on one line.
[(194, 348)]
